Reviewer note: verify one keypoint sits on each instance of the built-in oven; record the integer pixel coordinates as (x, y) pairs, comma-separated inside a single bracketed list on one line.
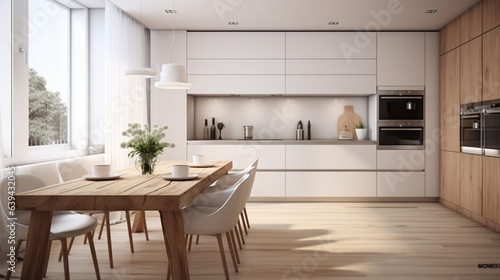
[(401, 136), (492, 128), (471, 128), (401, 105)]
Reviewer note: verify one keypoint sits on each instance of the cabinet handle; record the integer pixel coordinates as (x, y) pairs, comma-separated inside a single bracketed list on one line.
[(402, 128), (401, 97), (23, 50)]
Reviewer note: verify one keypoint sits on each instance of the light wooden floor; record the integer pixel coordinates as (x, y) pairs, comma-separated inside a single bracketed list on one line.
[(316, 241)]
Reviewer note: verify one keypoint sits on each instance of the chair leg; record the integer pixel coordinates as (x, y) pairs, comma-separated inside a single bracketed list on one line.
[(90, 238), (238, 237), (246, 216), (103, 222), (70, 245), (231, 250), (242, 217), (64, 246), (197, 239), (108, 234), (145, 225), (241, 232), (190, 241), (234, 245), (129, 227), (222, 255)]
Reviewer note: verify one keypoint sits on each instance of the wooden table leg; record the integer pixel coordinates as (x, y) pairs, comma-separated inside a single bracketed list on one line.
[(138, 225), (173, 233), (37, 245)]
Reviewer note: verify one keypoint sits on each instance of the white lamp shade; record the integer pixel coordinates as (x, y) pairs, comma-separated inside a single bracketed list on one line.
[(173, 76), (141, 72)]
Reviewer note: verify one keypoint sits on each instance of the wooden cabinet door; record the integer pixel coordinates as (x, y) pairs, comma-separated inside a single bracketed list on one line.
[(450, 177), (450, 101), (450, 36), (491, 14), (471, 183), (491, 64), (491, 189), (471, 22), (471, 82)]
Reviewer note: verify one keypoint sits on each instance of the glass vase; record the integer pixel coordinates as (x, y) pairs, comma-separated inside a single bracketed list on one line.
[(146, 163)]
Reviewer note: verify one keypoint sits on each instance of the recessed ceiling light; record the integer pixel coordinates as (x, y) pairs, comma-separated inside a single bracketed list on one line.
[(233, 23), (171, 11), (333, 23), (431, 11)]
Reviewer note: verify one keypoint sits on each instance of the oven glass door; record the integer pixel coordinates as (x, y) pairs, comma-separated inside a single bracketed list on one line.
[(401, 137), (492, 133), (407, 107), (470, 133)]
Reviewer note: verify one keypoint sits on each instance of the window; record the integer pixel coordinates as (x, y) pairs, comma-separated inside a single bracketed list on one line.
[(49, 72), (49, 90)]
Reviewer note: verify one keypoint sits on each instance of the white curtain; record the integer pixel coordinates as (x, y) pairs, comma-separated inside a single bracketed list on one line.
[(125, 97)]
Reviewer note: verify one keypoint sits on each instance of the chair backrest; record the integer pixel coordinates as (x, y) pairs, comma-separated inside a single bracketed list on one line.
[(226, 217), (22, 183), (70, 171)]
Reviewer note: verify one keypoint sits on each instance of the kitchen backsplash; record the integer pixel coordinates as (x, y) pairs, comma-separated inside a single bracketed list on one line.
[(274, 117)]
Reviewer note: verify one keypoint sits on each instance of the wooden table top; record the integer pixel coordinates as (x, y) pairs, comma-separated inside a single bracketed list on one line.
[(132, 191)]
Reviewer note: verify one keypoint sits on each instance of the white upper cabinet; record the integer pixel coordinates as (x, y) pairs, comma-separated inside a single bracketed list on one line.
[(240, 45), (401, 59), (331, 45)]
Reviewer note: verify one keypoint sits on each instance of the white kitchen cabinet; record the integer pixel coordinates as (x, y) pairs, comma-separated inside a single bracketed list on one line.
[(235, 67), (331, 184), (327, 45), (237, 84), (331, 67), (331, 157), (269, 184), (401, 59), (331, 84), (270, 156), (400, 159), (239, 45), (400, 184)]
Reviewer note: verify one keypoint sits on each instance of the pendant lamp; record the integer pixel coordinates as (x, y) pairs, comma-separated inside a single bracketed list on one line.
[(141, 72), (173, 76)]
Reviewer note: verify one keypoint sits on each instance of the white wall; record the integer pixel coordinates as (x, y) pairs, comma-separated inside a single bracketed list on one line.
[(168, 107), (5, 77)]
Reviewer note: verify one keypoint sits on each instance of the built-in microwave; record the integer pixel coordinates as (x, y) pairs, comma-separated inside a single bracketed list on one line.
[(492, 128), (401, 136), (471, 128), (401, 105)]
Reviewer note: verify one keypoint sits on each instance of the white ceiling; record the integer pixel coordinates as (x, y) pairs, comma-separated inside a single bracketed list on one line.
[(295, 14)]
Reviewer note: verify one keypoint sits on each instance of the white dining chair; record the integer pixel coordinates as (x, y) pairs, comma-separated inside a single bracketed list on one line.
[(64, 224), (72, 170), (210, 221)]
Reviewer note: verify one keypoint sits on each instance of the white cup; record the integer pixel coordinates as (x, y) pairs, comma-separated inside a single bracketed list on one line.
[(180, 170), (101, 170), (199, 159)]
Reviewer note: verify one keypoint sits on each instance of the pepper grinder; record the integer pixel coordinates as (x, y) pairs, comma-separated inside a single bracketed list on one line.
[(300, 131)]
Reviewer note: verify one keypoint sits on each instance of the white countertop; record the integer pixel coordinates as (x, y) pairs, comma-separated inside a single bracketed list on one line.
[(281, 142)]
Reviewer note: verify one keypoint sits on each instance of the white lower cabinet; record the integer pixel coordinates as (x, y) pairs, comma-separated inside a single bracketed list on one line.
[(331, 184), (401, 184), (328, 157), (269, 184), (270, 156), (401, 160)]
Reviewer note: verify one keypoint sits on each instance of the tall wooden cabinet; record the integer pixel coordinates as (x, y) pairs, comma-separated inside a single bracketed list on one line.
[(491, 64), (450, 101), (469, 73), (471, 82)]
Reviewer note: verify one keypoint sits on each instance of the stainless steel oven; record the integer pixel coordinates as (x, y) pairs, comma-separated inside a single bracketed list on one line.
[(471, 128), (401, 136), (492, 128), (401, 105)]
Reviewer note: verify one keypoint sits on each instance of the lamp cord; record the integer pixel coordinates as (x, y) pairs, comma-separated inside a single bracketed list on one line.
[(173, 35)]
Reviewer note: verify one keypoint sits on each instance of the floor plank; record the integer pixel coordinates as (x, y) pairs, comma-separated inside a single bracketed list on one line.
[(314, 241)]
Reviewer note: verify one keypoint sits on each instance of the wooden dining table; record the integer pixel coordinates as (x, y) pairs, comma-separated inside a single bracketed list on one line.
[(131, 191)]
